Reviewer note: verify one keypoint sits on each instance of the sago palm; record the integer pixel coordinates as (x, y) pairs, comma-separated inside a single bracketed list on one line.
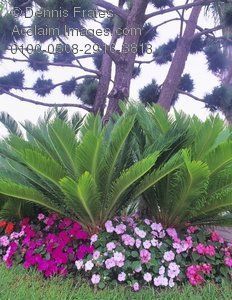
[(192, 180), (87, 177)]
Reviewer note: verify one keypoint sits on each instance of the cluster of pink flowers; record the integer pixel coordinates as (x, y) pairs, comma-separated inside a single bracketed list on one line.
[(51, 245), (141, 252), (129, 251), (195, 273)]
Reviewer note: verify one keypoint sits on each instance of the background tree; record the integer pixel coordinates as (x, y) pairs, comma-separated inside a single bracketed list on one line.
[(129, 32)]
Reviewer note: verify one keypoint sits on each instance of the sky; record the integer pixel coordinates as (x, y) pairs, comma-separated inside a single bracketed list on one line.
[(196, 65)]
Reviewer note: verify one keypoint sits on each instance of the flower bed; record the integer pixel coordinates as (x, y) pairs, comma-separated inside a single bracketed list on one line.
[(51, 245), (129, 251), (142, 253)]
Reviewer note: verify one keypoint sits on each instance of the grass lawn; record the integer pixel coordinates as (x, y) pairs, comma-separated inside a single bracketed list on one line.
[(18, 284)]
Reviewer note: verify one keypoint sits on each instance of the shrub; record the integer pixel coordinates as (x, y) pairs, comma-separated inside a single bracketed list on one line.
[(141, 253)]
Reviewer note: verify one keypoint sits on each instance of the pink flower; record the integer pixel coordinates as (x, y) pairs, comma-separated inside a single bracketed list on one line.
[(147, 244), (94, 238), (128, 240), (147, 277), (160, 281), (136, 287), (96, 255), (206, 268), (110, 263), (228, 262), (192, 229), (4, 241), (147, 222), (171, 283), (118, 257), (41, 217), (161, 270), (145, 256), (173, 270), (138, 243), (95, 279), (156, 227), (120, 229), (154, 242), (215, 236), (210, 250), (140, 233), (172, 233), (110, 246), (109, 226), (200, 249), (121, 277), (169, 255)]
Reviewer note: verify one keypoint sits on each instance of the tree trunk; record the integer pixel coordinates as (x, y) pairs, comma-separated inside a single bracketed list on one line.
[(173, 78), (126, 61)]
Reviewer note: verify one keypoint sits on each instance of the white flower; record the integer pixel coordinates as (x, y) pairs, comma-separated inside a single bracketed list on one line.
[(79, 264), (89, 265)]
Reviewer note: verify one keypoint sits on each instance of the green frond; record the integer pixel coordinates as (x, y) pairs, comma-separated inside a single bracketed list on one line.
[(22, 192), (89, 154), (10, 124), (43, 165), (151, 179), (129, 177), (64, 142), (83, 198), (219, 158)]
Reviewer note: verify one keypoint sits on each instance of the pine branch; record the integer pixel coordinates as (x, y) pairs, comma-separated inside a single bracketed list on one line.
[(52, 87), (191, 96), (176, 8), (48, 63), (23, 99)]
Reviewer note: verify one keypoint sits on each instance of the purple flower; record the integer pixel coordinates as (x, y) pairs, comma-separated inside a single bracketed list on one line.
[(138, 243), (95, 279), (145, 256), (147, 244), (147, 277), (96, 255), (120, 229), (128, 240), (136, 287), (94, 238), (156, 227), (140, 232), (109, 226), (121, 277), (110, 246), (169, 255)]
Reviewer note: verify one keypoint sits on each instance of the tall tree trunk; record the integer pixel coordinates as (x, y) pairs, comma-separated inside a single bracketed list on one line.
[(126, 61), (173, 78)]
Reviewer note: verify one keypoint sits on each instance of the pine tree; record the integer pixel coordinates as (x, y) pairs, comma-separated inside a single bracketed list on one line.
[(100, 88)]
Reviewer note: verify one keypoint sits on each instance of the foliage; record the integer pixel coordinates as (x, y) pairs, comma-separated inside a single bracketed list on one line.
[(38, 61), (191, 181), (86, 178), (43, 87), (86, 91), (142, 253)]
